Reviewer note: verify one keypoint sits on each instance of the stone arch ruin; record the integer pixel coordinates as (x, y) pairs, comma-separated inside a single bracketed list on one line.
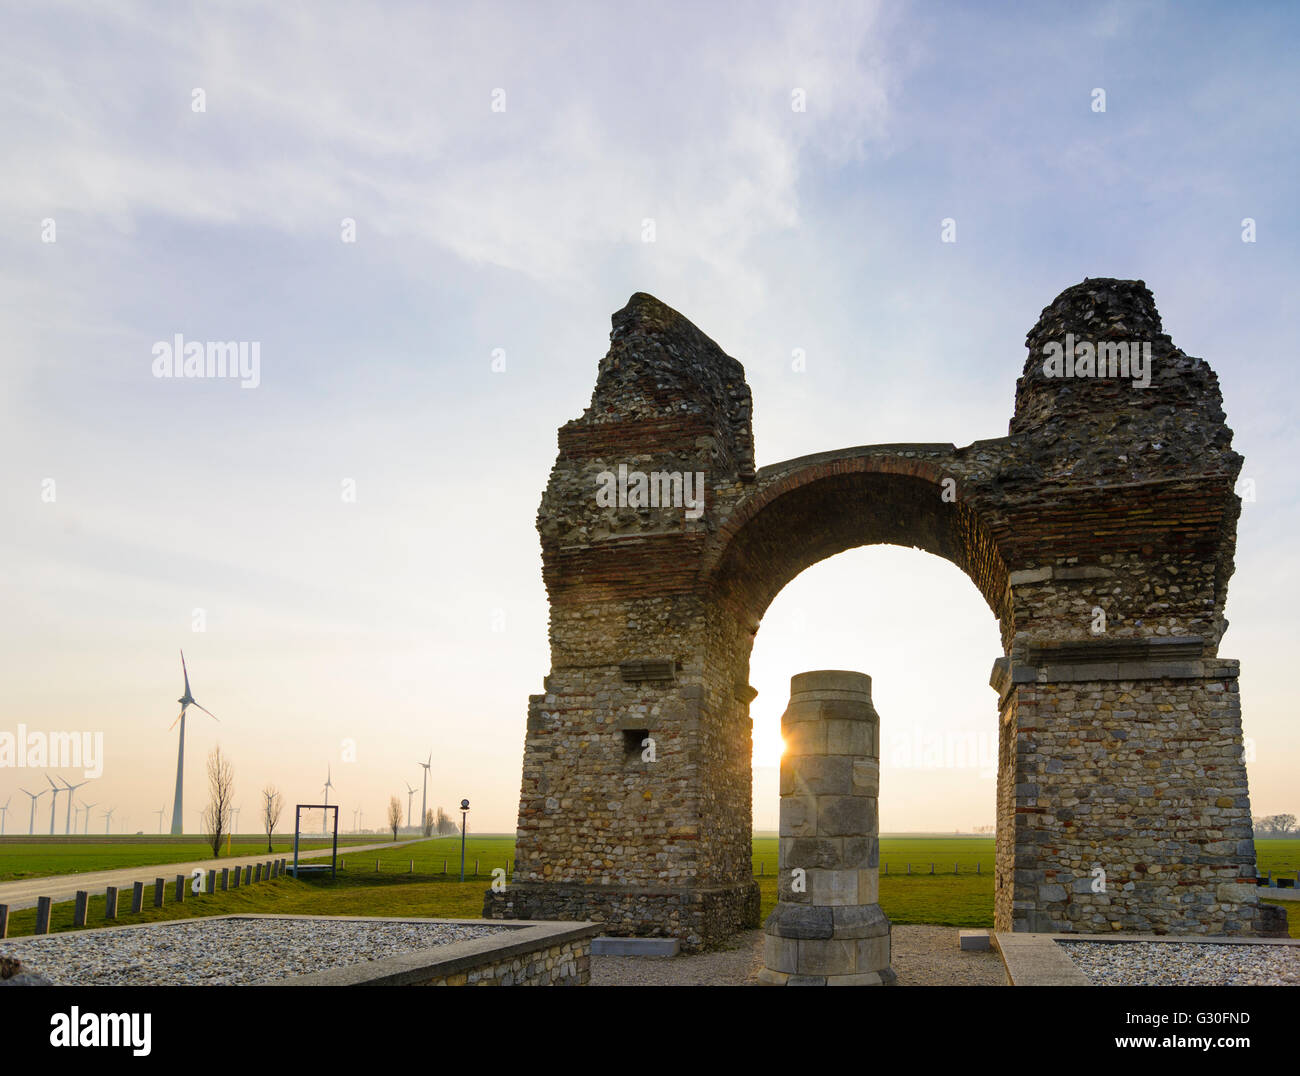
[(1100, 532)]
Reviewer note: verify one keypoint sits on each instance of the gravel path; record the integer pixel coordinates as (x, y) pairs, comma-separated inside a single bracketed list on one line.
[(922, 956), (212, 953), (1185, 964)]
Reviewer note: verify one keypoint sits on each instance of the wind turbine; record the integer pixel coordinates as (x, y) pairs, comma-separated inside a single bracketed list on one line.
[(409, 793), (31, 821), (67, 819), (54, 799), (354, 820), (326, 790), (160, 812), (3, 811), (108, 818), (424, 799), (85, 827), (234, 820), (186, 701)]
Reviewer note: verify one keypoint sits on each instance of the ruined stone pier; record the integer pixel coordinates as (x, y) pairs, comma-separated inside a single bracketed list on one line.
[(827, 928)]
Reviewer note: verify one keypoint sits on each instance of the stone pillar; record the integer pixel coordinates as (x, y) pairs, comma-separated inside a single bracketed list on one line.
[(827, 928)]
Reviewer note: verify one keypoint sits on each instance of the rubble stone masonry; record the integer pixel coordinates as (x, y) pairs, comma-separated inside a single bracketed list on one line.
[(1100, 532)]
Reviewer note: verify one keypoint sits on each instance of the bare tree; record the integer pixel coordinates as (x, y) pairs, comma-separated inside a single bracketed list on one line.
[(445, 824), (428, 822), (272, 804), (1274, 825), (221, 792), (394, 815)]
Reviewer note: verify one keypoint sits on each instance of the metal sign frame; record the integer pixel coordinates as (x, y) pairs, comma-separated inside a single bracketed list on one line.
[(297, 828)]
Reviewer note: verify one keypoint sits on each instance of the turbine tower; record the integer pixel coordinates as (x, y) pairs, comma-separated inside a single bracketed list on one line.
[(67, 818), (108, 818), (160, 812), (328, 785), (54, 799), (186, 701), (409, 793), (85, 826), (424, 799), (3, 811), (31, 820)]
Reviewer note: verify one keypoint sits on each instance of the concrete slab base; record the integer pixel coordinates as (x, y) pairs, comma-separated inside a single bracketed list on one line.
[(607, 946), (973, 941)]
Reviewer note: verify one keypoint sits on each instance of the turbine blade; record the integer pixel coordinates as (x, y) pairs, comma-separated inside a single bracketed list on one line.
[(178, 717), (206, 711), (187, 674)]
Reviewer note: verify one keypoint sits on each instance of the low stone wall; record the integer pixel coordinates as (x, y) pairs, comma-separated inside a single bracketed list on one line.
[(565, 964), (521, 954)]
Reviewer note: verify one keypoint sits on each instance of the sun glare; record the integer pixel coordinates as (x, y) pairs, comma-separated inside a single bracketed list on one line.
[(768, 745)]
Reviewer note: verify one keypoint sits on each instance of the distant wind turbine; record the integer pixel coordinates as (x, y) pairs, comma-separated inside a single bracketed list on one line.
[(424, 799), (354, 820), (85, 827), (31, 821), (54, 799), (3, 811), (326, 790), (160, 812), (67, 818), (108, 818), (186, 701), (409, 793), (234, 819)]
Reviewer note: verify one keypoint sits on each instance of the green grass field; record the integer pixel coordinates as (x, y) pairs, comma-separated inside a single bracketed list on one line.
[(38, 857), (964, 899)]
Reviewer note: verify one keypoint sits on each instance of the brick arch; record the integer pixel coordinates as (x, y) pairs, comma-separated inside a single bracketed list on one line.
[(804, 511)]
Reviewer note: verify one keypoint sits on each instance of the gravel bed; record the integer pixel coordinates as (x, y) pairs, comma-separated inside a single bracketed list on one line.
[(921, 956), (229, 951), (1185, 964)]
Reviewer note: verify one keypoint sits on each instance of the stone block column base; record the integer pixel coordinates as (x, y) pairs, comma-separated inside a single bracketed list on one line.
[(696, 916)]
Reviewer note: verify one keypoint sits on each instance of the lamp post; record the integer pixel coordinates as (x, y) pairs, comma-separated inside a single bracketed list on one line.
[(464, 810)]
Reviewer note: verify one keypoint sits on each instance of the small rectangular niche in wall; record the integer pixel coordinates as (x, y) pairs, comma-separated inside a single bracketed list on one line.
[(633, 739)]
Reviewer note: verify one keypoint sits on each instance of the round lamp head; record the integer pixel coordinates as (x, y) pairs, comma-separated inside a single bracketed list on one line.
[(464, 805)]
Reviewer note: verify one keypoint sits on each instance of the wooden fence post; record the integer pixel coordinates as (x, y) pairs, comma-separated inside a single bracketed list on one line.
[(79, 908), (159, 888), (4, 920), (42, 915), (137, 897), (180, 889), (225, 878), (110, 902)]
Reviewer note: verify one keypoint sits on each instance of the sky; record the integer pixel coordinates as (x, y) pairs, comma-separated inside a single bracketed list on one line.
[(423, 216)]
